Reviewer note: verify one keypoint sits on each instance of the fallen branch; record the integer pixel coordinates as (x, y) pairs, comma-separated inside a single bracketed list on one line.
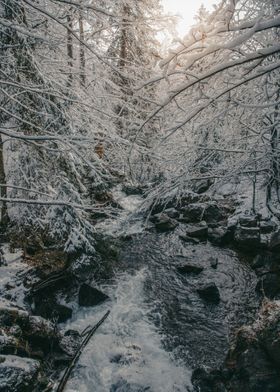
[(89, 335)]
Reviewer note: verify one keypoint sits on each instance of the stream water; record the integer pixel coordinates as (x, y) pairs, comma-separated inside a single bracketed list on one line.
[(159, 329)]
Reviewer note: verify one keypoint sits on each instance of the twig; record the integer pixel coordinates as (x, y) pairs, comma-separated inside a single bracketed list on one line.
[(67, 373)]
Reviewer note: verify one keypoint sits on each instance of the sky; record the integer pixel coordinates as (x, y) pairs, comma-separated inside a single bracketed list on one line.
[(187, 9)]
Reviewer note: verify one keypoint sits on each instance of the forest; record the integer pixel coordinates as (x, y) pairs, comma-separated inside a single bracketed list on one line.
[(140, 197)]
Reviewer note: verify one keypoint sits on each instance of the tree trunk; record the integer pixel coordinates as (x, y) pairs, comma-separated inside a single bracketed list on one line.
[(82, 51), (70, 46)]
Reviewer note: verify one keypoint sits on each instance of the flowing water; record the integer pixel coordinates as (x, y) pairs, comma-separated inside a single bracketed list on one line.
[(159, 329)]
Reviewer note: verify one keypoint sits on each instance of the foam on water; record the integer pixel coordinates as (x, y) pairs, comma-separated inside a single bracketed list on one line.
[(125, 354)]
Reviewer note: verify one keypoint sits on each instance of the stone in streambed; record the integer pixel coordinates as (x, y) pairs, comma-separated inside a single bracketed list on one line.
[(198, 231), (210, 293), (269, 285), (18, 374), (190, 269), (274, 244), (90, 296), (188, 239), (163, 222), (247, 238)]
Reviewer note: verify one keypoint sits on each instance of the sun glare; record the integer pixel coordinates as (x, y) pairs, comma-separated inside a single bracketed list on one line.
[(186, 10)]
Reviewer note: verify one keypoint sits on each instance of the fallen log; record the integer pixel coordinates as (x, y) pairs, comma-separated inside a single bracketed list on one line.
[(78, 353)]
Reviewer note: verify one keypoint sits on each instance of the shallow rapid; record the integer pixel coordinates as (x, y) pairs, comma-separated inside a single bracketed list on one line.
[(159, 328)]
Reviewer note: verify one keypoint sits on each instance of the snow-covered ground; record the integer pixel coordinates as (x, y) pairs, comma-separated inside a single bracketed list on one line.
[(12, 269)]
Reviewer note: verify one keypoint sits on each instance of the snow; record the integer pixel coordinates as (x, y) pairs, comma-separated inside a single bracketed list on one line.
[(10, 270)]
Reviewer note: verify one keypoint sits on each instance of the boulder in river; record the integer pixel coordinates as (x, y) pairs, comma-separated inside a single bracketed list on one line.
[(275, 242), (210, 293), (194, 212), (247, 220), (50, 309), (247, 238), (198, 231), (267, 226), (253, 361), (269, 285), (190, 269), (18, 374), (163, 222), (90, 296), (218, 235)]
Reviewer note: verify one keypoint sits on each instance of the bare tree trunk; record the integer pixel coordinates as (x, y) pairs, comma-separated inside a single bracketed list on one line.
[(70, 51), (4, 217), (82, 51)]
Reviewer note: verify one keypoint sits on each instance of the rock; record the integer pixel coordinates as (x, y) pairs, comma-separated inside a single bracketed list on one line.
[(274, 244), (183, 201), (18, 374), (267, 227), (210, 293), (194, 212), (70, 342), (172, 213), (199, 231), (51, 310), (90, 296), (253, 361), (10, 315), (259, 262), (130, 189), (191, 240), (232, 223), (248, 220), (163, 222), (124, 386), (84, 266), (269, 285), (202, 186), (213, 213), (39, 328), (218, 236), (247, 238), (190, 269), (214, 262)]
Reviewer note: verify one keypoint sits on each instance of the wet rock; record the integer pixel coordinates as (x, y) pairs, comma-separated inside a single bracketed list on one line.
[(70, 342), (84, 266), (48, 308), (124, 386), (130, 189), (185, 199), (191, 240), (194, 212), (248, 220), (18, 374), (10, 315), (172, 213), (274, 244), (210, 293), (207, 381), (247, 238), (267, 227), (252, 363), (198, 231), (259, 262), (90, 296), (218, 236), (202, 186), (269, 285), (40, 328), (164, 223), (213, 213), (214, 262), (190, 269)]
